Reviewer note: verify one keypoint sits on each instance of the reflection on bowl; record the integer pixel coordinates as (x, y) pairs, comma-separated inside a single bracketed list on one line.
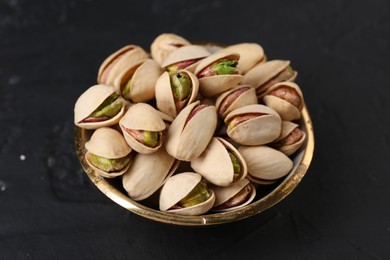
[(267, 195)]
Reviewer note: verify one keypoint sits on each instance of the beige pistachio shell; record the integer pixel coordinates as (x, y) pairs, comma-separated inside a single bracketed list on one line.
[(259, 75), (147, 173), (186, 142), (250, 55), (119, 61), (229, 100), (286, 110), (260, 130), (215, 165), (90, 100), (189, 52), (215, 85), (164, 44), (143, 80), (177, 187), (141, 116), (265, 163), (287, 128), (108, 143), (164, 96), (223, 194)]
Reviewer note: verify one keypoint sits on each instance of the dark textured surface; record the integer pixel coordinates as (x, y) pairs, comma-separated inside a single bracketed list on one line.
[(50, 52)]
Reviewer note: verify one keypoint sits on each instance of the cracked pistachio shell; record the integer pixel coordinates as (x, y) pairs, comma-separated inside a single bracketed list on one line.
[(177, 187), (286, 110), (250, 55), (143, 76), (215, 85), (164, 44), (164, 96), (265, 164), (108, 143), (215, 165), (187, 141), (240, 96), (118, 62), (261, 74), (256, 131), (223, 194), (141, 116), (287, 128), (189, 52), (147, 173), (89, 101)]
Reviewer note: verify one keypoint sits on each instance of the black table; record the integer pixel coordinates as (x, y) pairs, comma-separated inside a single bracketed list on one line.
[(50, 52)]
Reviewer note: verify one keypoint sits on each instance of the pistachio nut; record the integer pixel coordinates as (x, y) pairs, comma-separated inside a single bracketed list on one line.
[(164, 44), (253, 125), (250, 55), (220, 164), (265, 165), (147, 173), (98, 106), (186, 57), (108, 153), (113, 65), (142, 128), (240, 96), (218, 73), (291, 138), (137, 82), (191, 131), (265, 75), (286, 98), (234, 196), (186, 194), (174, 92)]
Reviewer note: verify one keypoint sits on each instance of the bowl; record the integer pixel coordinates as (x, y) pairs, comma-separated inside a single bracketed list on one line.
[(267, 195)]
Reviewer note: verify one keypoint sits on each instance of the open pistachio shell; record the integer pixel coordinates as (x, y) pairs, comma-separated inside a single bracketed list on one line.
[(240, 96), (142, 77), (223, 194), (250, 55), (164, 44), (215, 163), (261, 76), (147, 173), (164, 95), (186, 53), (187, 140), (89, 101), (285, 109), (264, 127), (214, 85), (119, 61), (265, 163), (142, 116), (108, 143), (287, 129), (178, 187)]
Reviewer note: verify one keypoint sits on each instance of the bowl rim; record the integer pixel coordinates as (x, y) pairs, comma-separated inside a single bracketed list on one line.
[(289, 183)]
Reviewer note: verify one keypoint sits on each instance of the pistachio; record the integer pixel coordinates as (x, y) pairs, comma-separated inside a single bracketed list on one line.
[(237, 199), (108, 165), (236, 165), (285, 75), (172, 69), (148, 138), (198, 195), (239, 119), (108, 109), (288, 94), (221, 67), (292, 138), (181, 86)]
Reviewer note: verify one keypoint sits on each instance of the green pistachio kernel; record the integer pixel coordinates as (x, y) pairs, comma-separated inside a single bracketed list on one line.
[(109, 108), (236, 165), (181, 86), (198, 195), (172, 69), (126, 90), (225, 67), (151, 138), (109, 165)]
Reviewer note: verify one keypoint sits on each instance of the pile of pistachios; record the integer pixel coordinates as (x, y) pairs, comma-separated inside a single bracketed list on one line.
[(227, 112)]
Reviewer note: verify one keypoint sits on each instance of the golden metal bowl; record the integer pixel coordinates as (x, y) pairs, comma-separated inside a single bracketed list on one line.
[(267, 195)]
